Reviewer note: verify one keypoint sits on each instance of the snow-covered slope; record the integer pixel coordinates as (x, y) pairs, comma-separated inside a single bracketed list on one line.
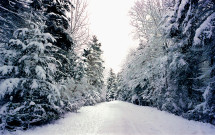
[(121, 118)]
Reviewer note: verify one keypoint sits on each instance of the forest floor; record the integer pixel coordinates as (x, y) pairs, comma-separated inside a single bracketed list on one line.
[(121, 118)]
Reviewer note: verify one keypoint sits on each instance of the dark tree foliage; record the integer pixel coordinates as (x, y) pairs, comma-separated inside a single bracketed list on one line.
[(13, 15), (18, 13), (192, 28), (57, 21)]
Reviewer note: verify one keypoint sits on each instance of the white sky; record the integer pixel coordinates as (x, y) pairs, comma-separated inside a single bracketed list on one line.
[(109, 21)]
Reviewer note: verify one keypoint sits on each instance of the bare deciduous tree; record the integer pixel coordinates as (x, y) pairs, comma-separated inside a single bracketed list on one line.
[(146, 16), (79, 23)]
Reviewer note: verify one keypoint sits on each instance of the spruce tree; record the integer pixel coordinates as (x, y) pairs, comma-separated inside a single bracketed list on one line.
[(58, 22), (191, 27), (31, 90), (16, 14), (111, 92), (94, 68)]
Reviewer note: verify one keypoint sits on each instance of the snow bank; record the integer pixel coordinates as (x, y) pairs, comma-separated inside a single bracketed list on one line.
[(121, 118)]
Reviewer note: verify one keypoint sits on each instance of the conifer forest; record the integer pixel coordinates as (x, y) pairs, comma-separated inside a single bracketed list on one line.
[(54, 77)]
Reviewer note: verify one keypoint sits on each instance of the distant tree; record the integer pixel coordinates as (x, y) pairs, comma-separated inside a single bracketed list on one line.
[(111, 92), (120, 87), (94, 67), (94, 61)]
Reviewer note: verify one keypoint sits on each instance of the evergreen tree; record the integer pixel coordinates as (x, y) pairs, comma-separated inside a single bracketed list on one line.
[(58, 22), (111, 92), (16, 14), (120, 90), (192, 28), (31, 88), (94, 68)]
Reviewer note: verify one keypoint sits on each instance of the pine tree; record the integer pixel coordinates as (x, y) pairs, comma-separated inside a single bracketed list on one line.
[(31, 91), (16, 14), (58, 22), (94, 68), (111, 92)]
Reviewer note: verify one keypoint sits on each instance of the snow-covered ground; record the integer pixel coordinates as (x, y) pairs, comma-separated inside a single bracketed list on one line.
[(121, 118)]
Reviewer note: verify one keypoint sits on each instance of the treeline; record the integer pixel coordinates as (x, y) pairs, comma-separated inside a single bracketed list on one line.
[(173, 69), (42, 76)]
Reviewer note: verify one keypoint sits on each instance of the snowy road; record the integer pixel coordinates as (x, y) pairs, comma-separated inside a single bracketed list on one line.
[(121, 118)]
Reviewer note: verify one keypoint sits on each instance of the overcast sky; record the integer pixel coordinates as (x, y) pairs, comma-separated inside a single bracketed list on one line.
[(109, 21)]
